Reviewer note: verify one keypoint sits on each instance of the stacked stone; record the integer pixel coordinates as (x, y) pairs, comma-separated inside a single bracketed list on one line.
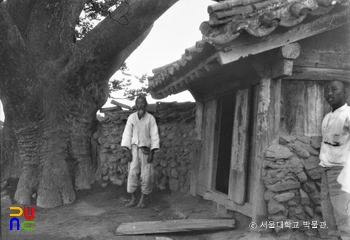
[(112, 159), (172, 161), (292, 178)]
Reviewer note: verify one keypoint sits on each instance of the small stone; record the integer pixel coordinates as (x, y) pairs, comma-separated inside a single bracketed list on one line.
[(298, 210), (103, 157), (279, 187), (308, 148), (163, 163), (268, 195), (316, 142), (309, 211), (280, 162), (173, 164), (124, 161), (105, 184), (309, 187), (286, 139), (311, 163), (105, 178), (294, 162), (112, 158), (170, 136), (174, 173), (104, 170), (275, 207), (174, 184), (278, 152), (305, 200), (314, 174), (304, 139), (283, 197), (299, 151), (292, 203), (315, 197), (318, 209), (302, 177)]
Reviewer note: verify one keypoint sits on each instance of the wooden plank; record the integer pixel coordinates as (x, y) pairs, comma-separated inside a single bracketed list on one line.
[(314, 109), (252, 149), (320, 51), (245, 47), (238, 171), (319, 74), (199, 120), (208, 131), (265, 136), (221, 198), (169, 226), (293, 107), (196, 157)]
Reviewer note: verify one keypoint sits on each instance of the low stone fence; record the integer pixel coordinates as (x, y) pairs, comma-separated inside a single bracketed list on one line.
[(293, 178), (172, 165)]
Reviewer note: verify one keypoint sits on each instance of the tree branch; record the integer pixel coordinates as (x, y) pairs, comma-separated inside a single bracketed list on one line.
[(20, 11), (109, 38), (56, 20), (17, 82)]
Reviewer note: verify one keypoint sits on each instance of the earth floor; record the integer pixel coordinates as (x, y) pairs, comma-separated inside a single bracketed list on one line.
[(97, 213)]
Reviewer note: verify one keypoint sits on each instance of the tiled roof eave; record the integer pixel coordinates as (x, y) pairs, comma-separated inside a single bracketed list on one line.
[(228, 19)]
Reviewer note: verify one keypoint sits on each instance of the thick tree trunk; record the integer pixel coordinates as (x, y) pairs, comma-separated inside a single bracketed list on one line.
[(52, 86)]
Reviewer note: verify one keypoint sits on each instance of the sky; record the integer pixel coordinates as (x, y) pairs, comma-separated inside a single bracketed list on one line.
[(176, 30)]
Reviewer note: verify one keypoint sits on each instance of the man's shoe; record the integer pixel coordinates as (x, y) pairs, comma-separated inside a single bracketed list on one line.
[(133, 202)]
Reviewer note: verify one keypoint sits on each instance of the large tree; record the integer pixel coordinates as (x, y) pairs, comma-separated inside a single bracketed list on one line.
[(52, 84)]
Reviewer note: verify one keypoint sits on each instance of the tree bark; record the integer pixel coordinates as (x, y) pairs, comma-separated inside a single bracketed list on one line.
[(52, 86)]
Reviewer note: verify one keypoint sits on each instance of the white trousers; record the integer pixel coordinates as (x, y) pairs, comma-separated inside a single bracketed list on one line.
[(140, 172)]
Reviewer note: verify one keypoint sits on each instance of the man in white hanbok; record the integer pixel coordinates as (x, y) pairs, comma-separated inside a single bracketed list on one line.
[(334, 155), (140, 140)]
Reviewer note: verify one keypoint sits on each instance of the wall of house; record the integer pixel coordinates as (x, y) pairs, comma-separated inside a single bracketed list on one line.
[(171, 163)]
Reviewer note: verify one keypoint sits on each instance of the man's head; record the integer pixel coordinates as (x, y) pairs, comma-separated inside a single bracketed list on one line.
[(335, 94), (141, 105)]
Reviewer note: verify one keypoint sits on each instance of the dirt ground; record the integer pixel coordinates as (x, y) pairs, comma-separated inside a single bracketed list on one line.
[(97, 213)]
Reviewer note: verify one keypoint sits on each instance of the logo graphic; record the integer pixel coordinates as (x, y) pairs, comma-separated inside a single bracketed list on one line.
[(27, 225)]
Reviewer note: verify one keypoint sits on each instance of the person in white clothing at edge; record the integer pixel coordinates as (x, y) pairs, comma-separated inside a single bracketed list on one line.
[(334, 154), (140, 140)]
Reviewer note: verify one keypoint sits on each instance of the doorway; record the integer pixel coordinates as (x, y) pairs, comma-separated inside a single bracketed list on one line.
[(224, 128)]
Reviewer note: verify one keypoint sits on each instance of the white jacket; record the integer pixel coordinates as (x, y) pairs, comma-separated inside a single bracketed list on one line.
[(141, 132)]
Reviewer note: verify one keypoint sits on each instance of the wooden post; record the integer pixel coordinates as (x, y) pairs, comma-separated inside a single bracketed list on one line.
[(266, 135), (239, 160), (196, 154)]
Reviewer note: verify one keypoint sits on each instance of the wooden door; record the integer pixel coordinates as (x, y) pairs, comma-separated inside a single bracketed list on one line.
[(240, 146)]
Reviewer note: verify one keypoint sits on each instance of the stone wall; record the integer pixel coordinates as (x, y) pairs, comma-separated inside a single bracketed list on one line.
[(292, 178), (171, 163)]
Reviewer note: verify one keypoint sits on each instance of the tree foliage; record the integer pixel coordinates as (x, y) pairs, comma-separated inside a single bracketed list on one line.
[(125, 84), (93, 12)]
